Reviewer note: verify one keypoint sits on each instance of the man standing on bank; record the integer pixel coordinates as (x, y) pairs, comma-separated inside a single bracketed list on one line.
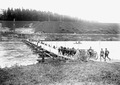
[(106, 54), (102, 54), (90, 51)]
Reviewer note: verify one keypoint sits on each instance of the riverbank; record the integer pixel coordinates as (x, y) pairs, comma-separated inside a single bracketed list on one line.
[(54, 72)]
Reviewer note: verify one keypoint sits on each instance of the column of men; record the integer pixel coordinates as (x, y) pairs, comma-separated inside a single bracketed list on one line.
[(63, 50), (71, 51), (104, 54), (48, 45), (66, 51)]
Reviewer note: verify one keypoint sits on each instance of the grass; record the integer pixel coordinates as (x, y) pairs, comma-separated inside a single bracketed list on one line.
[(77, 37), (83, 27), (74, 28), (55, 72)]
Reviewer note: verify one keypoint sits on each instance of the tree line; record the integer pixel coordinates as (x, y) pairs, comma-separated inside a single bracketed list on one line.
[(18, 14)]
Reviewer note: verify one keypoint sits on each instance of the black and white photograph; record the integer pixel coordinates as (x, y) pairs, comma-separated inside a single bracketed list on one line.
[(59, 42)]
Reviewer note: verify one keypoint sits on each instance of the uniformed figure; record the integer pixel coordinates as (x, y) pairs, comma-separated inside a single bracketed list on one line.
[(42, 55), (54, 47), (101, 54), (90, 51), (66, 51), (106, 54)]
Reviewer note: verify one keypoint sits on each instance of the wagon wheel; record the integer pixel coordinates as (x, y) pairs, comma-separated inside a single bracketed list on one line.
[(88, 56), (95, 55)]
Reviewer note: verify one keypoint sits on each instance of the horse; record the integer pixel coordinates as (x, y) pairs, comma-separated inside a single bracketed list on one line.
[(94, 55), (86, 54)]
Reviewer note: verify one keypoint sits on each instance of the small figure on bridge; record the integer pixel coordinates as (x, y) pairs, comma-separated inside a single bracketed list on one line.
[(106, 54)]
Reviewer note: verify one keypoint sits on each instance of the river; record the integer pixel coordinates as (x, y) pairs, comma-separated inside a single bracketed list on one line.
[(17, 53)]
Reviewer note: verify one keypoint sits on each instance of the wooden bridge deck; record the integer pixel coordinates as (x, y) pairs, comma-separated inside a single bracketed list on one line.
[(49, 51)]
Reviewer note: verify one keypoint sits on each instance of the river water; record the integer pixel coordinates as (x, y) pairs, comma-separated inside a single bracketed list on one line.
[(112, 46), (17, 53)]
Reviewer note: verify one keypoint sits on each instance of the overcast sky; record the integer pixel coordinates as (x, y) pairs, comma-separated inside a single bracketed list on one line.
[(91, 10)]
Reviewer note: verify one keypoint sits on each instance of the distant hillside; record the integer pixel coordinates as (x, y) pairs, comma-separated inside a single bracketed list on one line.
[(18, 24), (76, 27), (66, 26)]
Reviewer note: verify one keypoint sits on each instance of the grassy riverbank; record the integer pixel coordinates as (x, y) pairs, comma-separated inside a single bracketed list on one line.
[(54, 72)]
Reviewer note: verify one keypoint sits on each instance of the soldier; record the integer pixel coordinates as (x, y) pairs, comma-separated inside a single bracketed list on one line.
[(64, 50), (90, 51), (106, 54), (54, 47), (73, 51), (102, 54), (38, 42), (59, 50)]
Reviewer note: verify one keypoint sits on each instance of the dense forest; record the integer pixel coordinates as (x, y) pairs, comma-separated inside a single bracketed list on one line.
[(49, 22), (18, 14)]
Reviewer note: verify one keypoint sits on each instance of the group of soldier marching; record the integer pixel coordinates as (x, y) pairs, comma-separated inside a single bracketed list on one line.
[(104, 54), (71, 51), (66, 51)]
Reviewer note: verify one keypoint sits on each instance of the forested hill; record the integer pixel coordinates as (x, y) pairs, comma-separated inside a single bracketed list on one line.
[(54, 23), (32, 15), (76, 27)]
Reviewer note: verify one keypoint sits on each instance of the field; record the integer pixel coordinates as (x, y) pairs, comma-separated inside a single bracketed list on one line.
[(82, 27), (62, 37), (80, 37), (66, 27), (73, 37), (68, 31), (54, 72)]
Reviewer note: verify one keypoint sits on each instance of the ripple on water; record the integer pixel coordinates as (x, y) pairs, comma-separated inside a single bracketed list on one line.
[(15, 53)]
